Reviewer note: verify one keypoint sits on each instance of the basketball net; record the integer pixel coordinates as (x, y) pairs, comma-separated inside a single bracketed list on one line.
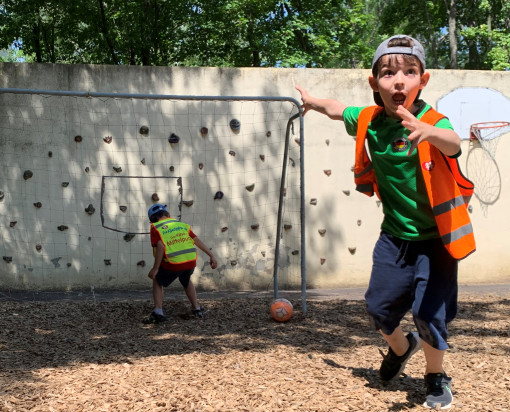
[(488, 133)]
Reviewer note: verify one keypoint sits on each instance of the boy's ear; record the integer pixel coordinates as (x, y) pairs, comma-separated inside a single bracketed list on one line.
[(425, 77), (373, 83)]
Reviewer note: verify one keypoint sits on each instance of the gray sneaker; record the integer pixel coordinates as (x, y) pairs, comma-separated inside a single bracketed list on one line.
[(439, 391), (393, 365)]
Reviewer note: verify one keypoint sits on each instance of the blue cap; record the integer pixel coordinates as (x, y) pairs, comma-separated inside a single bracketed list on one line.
[(155, 209)]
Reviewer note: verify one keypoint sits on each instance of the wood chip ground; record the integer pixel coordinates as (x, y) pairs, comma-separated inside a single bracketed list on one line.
[(98, 356)]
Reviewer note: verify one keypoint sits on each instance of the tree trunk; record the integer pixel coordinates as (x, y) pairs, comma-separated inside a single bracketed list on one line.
[(104, 30), (452, 27)]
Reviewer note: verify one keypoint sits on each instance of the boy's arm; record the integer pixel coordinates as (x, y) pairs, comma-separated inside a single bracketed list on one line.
[(331, 108), (446, 140), (160, 253), (205, 249)]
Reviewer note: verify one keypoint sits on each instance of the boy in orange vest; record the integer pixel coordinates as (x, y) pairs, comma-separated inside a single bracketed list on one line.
[(415, 258), (174, 257)]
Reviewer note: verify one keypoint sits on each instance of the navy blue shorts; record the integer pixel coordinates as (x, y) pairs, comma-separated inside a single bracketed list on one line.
[(413, 275), (165, 277)]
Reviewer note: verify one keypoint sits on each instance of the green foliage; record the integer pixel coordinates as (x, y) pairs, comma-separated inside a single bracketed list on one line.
[(237, 33)]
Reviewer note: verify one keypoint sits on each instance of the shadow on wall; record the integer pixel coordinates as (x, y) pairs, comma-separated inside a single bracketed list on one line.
[(80, 174)]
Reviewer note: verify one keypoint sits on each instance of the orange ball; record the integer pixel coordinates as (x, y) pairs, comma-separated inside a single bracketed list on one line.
[(281, 310)]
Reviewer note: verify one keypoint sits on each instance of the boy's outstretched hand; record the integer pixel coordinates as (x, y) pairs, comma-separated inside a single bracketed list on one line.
[(304, 98), (420, 131)]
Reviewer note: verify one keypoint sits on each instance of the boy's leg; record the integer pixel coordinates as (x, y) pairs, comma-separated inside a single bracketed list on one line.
[(397, 341), (191, 293), (434, 358), (157, 293)]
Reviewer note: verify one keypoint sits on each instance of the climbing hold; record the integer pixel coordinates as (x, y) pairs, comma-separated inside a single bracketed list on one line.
[(108, 262), (142, 161), (262, 157), (2, 195), (155, 197), (470, 208), (352, 250), (117, 169), (8, 259), (108, 139), (378, 203), (90, 209), (78, 139), (295, 252), (123, 208), (313, 201), (224, 229), (218, 195), (171, 168), (50, 154), (173, 138), (204, 131), (200, 166), (268, 133), (346, 192), (68, 264), (65, 184), (287, 226), (12, 224), (255, 226), (298, 142), (323, 261), (27, 174), (144, 130), (38, 205), (62, 228), (232, 153), (263, 253), (327, 172), (129, 236), (235, 125), (187, 202), (352, 168), (327, 142), (233, 262), (358, 222), (140, 263), (87, 169), (292, 162), (250, 188), (38, 247), (322, 232)]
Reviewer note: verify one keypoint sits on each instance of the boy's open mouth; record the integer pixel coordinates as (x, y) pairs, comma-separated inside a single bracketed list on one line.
[(398, 99)]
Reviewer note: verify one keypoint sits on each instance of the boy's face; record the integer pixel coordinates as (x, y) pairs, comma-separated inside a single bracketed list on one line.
[(398, 82)]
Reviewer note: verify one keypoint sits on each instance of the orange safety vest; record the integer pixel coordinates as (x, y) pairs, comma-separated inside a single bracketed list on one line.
[(449, 191)]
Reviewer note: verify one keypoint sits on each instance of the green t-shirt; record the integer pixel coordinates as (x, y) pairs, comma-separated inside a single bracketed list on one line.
[(406, 207)]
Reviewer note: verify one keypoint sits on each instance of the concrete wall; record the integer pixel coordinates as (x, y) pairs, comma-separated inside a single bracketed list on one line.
[(339, 258)]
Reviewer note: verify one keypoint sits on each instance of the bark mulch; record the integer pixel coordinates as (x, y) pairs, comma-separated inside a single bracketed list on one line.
[(88, 355)]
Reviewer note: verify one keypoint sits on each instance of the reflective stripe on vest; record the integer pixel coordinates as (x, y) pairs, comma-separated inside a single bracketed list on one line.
[(179, 246), (448, 189)]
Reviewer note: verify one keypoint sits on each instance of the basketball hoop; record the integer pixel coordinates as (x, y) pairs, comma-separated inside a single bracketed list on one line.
[(487, 134)]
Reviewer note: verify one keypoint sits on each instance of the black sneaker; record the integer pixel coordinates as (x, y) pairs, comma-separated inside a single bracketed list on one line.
[(154, 318), (393, 365), (198, 313), (439, 391)]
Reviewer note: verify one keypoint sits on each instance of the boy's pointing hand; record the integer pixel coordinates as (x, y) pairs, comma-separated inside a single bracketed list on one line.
[(420, 131)]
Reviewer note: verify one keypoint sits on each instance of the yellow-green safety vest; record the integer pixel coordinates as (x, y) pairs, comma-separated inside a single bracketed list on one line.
[(179, 246)]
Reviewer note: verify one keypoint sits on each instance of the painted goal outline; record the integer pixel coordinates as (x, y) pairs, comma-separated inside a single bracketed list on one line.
[(188, 98)]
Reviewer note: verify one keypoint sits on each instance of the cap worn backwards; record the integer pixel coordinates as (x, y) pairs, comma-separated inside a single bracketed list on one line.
[(155, 209), (416, 50)]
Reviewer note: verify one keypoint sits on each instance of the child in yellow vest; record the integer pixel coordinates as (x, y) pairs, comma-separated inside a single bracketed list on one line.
[(415, 258), (175, 257)]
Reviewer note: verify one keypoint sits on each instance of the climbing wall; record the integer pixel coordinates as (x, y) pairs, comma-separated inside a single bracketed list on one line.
[(79, 173)]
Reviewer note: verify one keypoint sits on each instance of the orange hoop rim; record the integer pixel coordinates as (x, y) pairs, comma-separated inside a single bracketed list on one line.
[(486, 125)]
